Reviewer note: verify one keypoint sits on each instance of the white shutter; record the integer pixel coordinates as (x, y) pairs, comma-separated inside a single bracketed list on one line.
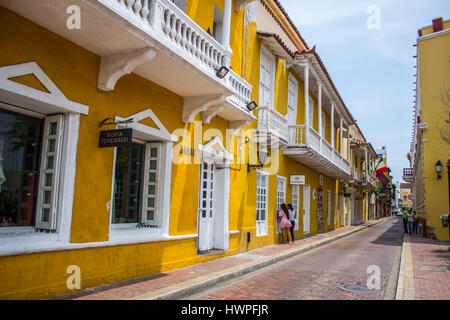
[(149, 215), (47, 206)]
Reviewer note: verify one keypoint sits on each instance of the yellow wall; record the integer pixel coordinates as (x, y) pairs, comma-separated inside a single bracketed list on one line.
[(75, 72), (434, 77)]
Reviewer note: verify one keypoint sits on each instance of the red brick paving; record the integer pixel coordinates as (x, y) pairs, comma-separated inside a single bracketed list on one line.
[(132, 288), (317, 274), (430, 284)]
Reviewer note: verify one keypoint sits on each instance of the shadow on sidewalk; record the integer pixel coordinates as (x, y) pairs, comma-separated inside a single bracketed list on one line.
[(393, 236)]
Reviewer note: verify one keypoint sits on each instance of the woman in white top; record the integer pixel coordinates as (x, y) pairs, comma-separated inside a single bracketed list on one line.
[(292, 216)]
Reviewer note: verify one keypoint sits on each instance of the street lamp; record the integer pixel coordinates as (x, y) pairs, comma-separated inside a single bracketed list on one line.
[(438, 168), (262, 158)]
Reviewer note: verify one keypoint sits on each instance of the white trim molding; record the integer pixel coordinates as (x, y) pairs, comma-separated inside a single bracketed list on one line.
[(53, 101), (145, 132)]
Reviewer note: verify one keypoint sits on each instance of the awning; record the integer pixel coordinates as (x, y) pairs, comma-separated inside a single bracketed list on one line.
[(275, 44)]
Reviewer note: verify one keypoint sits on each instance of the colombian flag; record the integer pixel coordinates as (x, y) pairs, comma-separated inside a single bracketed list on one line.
[(382, 173)]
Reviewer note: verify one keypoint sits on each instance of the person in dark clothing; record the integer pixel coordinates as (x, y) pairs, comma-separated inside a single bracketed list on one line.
[(292, 216)]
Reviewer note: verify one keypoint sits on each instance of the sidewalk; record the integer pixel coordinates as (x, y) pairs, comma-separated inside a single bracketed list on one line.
[(180, 283), (424, 270)]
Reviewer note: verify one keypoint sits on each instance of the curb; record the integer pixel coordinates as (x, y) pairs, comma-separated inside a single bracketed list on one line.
[(190, 287), (405, 284)]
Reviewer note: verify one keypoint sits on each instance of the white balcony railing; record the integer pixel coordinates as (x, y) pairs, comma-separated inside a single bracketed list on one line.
[(241, 88), (274, 123), (298, 138), (174, 26)]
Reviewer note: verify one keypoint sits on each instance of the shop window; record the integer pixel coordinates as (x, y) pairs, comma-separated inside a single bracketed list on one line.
[(136, 184), (30, 150)]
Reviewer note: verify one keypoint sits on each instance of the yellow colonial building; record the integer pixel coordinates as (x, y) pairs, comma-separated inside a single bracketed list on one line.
[(142, 136), (430, 149)]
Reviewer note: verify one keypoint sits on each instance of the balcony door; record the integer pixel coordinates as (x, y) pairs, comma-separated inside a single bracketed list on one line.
[(292, 101), (266, 78)]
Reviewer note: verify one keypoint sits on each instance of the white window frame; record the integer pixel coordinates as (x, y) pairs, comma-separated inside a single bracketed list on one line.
[(271, 70), (27, 100), (295, 196), (292, 87), (145, 196), (150, 136), (262, 202), (280, 198), (53, 189)]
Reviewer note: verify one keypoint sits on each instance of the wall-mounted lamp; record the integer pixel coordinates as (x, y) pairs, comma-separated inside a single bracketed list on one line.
[(438, 168), (262, 158), (251, 106), (221, 72)]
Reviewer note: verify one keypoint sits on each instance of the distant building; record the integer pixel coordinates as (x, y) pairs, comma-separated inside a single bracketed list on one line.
[(405, 196)]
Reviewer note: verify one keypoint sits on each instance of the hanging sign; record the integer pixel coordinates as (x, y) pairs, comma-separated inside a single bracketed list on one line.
[(115, 138)]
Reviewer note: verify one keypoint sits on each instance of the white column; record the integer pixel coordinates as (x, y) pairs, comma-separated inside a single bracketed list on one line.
[(340, 137), (306, 80), (227, 24), (367, 165), (332, 125), (319, 100)]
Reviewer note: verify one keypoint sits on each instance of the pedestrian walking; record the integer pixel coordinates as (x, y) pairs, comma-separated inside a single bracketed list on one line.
[(410, 222), (292, 217), (285, 224), (416, 222), (405, 220)]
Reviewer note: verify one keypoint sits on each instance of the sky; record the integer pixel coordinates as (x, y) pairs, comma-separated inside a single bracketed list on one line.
[(367, 48)]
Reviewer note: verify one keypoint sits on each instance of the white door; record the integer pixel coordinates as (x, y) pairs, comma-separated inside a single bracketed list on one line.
[(206, 207), (306, 209), (262, 187)]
